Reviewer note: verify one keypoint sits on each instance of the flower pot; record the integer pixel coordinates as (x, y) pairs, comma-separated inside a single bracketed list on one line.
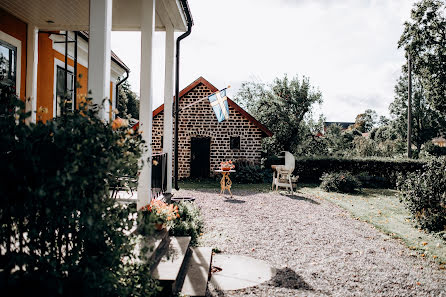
[(226, 168), (160, 226)]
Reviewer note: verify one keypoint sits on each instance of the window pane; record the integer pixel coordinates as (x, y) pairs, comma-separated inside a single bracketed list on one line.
[(60, 89), (70, 82), (234, 143), (8, 56), (60, 82)]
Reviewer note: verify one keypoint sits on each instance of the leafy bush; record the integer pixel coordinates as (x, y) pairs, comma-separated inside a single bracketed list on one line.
[(190, 222), (424, 194), (434, 150), (249, 173), (342, 182), (61, 234), (384, 170)]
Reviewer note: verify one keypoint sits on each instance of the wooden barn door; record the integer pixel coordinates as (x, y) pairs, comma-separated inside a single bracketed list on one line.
[(200, 156)]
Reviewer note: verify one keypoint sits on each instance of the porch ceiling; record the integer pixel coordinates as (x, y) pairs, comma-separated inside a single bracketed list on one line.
[(73, 15)]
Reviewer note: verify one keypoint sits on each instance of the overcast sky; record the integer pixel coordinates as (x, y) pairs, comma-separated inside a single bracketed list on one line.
[(348, 48)]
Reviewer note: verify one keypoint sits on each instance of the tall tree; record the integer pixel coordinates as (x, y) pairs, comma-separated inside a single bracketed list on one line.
[(427, 122), (365, 121), (424, 37), (281, 106)]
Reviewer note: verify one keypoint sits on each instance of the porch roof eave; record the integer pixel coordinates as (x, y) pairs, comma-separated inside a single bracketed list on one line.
[(73, 15)]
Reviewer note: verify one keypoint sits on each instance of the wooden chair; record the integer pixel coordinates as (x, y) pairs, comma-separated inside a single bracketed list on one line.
[(283, 174)]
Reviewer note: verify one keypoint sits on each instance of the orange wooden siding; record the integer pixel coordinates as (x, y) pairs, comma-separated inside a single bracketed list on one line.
[(45, 69), (45, 76)]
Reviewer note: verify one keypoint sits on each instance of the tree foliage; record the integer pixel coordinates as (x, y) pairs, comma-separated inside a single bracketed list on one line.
[(128, 103), (281, 106), (427, 122), (424, 37), (364, 122)]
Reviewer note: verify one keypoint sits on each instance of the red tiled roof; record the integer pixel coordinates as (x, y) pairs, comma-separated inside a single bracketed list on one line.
[(231, 103)]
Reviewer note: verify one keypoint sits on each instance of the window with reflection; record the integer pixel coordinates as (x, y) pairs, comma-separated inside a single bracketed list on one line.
[(8, 64), (65, 98)]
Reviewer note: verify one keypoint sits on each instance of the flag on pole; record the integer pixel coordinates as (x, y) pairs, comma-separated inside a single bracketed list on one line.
[(219, 103)]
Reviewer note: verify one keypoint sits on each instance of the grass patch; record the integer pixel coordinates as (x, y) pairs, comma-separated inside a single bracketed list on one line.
[(382, 209)]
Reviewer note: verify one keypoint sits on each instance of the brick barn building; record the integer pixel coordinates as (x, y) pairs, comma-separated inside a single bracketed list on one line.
[(203, 141)]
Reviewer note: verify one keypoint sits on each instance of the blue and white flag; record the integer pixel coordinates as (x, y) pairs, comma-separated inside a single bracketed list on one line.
[(219, 103)]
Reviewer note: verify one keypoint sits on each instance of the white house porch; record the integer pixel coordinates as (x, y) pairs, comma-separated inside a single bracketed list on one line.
[(100, 17)]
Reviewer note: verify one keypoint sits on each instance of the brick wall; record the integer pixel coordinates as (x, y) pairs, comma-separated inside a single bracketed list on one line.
[(200, 121)]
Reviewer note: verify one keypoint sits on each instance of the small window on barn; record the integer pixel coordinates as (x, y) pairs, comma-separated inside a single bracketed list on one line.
[(234, 142)]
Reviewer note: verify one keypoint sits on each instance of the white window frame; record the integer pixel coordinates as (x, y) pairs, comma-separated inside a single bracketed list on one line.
[(18, 44), (59, 63)]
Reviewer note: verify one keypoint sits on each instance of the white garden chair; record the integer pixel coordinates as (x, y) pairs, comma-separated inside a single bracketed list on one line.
[(283, 174)]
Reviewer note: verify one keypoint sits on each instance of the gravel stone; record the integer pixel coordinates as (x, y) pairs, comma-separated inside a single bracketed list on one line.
[(316, 247)]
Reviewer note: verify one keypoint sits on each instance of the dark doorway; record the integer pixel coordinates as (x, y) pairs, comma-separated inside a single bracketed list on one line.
[(200, 156)]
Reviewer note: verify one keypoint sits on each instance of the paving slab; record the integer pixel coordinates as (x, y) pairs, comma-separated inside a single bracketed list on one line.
[(157, 245), (240, 272), (171, 262), (195, 282)]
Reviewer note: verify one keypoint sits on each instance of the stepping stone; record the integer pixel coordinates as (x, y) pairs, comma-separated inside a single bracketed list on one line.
[(171, 264), (196, 281), (239, 272), (157, 245)]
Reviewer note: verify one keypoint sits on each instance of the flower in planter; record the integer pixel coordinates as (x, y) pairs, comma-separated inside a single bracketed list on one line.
[(161, 213), (227, 165), (119, 122)]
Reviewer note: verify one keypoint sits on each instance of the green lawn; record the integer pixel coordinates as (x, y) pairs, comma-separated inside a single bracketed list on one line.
[(382, 209), (379, 207)]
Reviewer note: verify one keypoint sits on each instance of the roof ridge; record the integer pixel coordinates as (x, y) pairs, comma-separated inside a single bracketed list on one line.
[(205, 82)]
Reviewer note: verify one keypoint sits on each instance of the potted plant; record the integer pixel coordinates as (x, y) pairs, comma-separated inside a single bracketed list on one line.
[(227, 165), (157, 215)]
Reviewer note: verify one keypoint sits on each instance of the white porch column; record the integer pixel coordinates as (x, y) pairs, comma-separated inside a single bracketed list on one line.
[(146, 99), (99, 58), (32, 48), (168, 102)]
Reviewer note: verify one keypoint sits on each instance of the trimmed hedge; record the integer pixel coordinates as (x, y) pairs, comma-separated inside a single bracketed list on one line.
[(378, 172)]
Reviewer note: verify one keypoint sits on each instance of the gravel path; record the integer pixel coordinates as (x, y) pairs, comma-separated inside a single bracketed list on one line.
[(318, 249)]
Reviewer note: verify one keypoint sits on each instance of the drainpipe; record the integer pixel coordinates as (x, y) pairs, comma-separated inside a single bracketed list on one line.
[(190, 23), (75, 72), (127, 72)]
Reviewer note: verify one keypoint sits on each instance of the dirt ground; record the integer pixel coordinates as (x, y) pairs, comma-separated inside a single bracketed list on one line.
[(316, 247)]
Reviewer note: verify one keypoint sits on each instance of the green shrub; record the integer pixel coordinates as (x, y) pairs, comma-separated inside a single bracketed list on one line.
[(384, 170), (434, 150), (342, 182), (249, 173), (424, 194), (190, 222), (61, 234)]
